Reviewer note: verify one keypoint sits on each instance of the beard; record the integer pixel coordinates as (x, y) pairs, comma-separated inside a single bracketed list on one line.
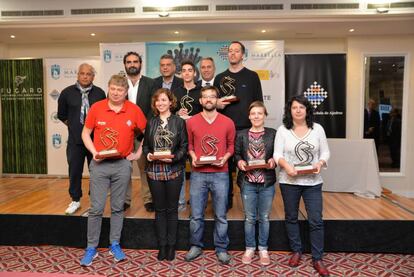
[(134, 71), (209, 108)]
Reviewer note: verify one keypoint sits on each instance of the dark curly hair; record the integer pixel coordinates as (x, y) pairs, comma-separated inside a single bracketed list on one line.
[(287, 117), (170, 96), (133, 54)]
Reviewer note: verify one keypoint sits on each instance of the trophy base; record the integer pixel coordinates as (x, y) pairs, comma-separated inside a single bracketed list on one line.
[(159, 155), (308, 169), (230, 99), (207, 160), (257, 166), (105, 154)]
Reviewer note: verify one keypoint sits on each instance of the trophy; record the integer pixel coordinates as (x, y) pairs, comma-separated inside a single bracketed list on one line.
[(209, 148), (109, 140), (256, 163), (305, 156), (227, 85), (185, 103), (162, 144)]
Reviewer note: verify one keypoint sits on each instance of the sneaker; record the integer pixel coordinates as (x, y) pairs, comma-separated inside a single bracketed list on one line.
[(116, 251), (264, 257), (223, 257), (248, 256), (73, 207), (90, 254), (193, 253)]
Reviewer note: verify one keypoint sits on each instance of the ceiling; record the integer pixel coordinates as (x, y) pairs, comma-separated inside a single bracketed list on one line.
[(243, 25)]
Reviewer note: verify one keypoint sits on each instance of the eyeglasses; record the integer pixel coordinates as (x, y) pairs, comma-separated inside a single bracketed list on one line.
[(209, 97)]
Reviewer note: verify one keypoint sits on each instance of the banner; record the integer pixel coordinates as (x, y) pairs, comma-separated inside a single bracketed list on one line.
[(112, 58), (61, 73), (322, 79), (22, 115), (264, 57)]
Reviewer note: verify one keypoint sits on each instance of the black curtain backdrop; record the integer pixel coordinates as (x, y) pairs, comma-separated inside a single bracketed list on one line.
[(322, 79)]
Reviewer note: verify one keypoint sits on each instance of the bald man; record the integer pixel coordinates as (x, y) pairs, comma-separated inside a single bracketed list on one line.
[(73, 105)]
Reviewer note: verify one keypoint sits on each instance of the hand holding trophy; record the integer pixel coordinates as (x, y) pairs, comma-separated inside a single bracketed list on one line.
[(227, 86), (303, 151), (109, 140), (162, 144), (209, 148)]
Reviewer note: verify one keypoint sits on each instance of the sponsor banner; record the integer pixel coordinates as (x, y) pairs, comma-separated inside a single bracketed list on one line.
[(61, 73), (22, 116), (321, 78), (112, 56), (264, 57)]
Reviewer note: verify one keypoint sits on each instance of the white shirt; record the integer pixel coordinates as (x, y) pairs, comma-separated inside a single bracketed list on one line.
[(211, 82), (133, 91), (314, 141)]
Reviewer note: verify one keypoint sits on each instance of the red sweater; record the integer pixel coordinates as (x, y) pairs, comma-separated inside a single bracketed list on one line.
[(222, 128)]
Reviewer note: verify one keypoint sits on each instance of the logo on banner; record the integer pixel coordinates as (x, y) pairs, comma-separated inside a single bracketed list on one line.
[(107, 54), (54, 117), (316, 94), (54, 94), (55, 71), (223, 52), (57, 140), (18, 80)]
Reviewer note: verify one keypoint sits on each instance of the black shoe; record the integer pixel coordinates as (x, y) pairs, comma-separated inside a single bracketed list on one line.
[(162, 253), (171, 252), (230, 204), (126, 206), (149, 207)]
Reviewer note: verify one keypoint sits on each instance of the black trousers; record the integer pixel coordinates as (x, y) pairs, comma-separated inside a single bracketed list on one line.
[(165, 196), (76, 154)]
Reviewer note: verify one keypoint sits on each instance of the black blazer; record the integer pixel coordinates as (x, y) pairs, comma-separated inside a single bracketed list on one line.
[(146, 89), (177, 82), (240, 153)]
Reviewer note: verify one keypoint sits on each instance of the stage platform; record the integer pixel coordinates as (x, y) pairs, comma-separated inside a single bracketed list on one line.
[(32, 213)]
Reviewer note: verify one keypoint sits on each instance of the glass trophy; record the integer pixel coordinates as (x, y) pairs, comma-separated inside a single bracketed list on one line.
[(303, 151), (209, 148), (163, 142), (109, 140), (227, 86), (185, 103)]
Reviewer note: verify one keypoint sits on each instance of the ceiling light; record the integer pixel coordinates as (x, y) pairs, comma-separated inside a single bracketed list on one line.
[(176, 32), (93, 34), (351, 30), (12, 36), (263, 31), (164, 14), (380, 69), (393, 65), (379, 62), (382, 10)]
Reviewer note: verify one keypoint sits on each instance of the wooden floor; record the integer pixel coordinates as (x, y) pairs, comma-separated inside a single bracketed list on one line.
[(49, 196)]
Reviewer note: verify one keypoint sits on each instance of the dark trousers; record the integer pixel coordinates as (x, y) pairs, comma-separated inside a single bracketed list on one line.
[(312, 197), (76, 154), (232, 168), (165, 196)]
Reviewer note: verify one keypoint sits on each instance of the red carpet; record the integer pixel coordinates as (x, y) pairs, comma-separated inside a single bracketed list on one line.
[(58, 261)]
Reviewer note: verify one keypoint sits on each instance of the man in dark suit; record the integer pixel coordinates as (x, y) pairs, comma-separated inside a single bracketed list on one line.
[(140, 92), (168, 78), (207, 72), (372, 122)]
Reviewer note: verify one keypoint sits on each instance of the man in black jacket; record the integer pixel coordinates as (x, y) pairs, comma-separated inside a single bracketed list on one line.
[(140, 92), (73, 105), (168, 78)]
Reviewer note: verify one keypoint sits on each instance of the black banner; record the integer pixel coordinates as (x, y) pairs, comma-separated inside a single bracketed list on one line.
[(322, 79)]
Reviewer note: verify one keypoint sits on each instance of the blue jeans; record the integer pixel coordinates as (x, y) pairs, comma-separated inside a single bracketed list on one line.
[(312, 197), (200, 184), (181, 200), (257, 203)]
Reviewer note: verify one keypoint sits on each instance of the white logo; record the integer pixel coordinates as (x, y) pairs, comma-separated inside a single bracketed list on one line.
[(102, 123), (129, 123)]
